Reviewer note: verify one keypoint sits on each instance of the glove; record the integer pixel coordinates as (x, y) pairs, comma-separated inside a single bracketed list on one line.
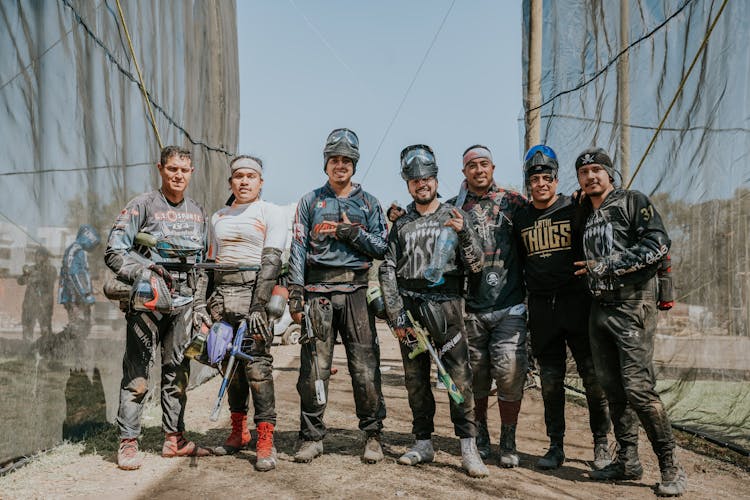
[(200, 318), (257, 323), (403, 328), (346, 231), (165, 275), (296, 299), (89, 299)]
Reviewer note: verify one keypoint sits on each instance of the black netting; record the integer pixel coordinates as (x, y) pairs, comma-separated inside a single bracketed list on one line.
[(697, 173), (76, 145)]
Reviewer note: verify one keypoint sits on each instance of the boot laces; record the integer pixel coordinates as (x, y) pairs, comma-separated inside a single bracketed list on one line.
[(265, 440)]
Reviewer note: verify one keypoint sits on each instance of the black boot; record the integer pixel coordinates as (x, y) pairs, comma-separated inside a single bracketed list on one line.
[(673, 477), (483, 439), (508, 455), (625, 467), (554, 457)]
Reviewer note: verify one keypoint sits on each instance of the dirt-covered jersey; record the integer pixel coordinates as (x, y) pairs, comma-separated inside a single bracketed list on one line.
[(312, 250), (152, 213), (241, 232), (500, 284), (549, 241), (623, 241), (411, 245)]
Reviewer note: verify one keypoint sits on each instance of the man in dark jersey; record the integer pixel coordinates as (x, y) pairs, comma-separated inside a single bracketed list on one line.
[(624, 240), (495, 309), (408, 286), (549, 241), (165, 213), (338, 230)]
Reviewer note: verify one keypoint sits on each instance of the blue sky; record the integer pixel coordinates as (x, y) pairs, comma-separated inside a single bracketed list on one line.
[(307, 67)]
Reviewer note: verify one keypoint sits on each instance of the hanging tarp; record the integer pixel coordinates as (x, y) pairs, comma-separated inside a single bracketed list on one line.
[(697, 172), (76, 144)]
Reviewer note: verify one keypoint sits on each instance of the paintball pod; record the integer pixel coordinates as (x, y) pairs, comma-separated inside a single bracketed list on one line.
[(309, 339), (666, 297)]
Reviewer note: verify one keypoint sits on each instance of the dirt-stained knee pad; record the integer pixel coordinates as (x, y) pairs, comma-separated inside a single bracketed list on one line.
[(509, 371)]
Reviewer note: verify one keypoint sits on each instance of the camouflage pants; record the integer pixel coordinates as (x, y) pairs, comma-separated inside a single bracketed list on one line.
[(497, 346), (622, 328), (353, 322), (231, 303), (145, 331)]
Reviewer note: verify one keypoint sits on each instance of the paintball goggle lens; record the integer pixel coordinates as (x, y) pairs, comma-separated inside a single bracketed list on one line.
[(545, 150), (418, 161), (342, 134)]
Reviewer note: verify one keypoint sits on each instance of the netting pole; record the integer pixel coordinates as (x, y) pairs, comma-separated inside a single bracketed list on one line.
[(677, 93), (623, 91), (534, 81), (140, 75)]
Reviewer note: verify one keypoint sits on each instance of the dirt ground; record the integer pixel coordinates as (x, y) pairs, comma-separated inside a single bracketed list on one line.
[(87, 469)]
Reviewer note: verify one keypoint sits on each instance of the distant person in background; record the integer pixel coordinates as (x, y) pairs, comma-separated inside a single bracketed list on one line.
[(76, 293), (39, 279)]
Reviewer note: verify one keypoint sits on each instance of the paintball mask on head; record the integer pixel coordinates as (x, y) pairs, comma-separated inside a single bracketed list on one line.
[(540, 159), (88, 237), (341, 142), (418, 162)]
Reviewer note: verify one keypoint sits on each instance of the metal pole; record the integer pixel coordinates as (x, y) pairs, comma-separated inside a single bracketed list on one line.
[(534, 80), (623, 92)]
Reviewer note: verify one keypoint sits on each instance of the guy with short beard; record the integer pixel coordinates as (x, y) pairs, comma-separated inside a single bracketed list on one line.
[(338, 230), (623, 241), (495, 310), (411, 244)]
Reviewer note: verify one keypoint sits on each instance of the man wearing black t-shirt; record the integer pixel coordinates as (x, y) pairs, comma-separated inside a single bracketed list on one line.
[(549, 242)]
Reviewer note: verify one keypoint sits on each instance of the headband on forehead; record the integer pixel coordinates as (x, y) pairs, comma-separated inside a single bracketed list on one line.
[(477, 152), (246, 163)]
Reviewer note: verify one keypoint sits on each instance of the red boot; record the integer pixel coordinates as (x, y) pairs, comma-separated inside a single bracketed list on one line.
[(175, 445), (238, 439), (265, 452)]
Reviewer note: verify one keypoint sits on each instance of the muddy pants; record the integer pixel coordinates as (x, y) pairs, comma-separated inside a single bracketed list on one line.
[(454, 353), (622, 327), (352, 320), (79, 318), (231, 303), (497, 347), (145, 331), (33, 312), (557, 320)]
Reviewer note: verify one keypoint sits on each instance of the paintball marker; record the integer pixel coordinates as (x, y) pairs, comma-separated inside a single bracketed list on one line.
[(424, 344), (180, 247), (309, 338), (218, 346)]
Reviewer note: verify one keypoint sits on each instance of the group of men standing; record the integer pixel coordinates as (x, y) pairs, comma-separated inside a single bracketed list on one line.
[(577, 272)]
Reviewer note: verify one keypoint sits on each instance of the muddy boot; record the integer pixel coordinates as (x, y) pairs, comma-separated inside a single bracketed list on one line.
[(673, 478), (626, 466), (128, 457), (471, 461), (239, 437), (265, 451), (508, 455), (421, 452), (602, 458), (554, 457), (483, 439), (175, 445), (308, 451), (373, 452)]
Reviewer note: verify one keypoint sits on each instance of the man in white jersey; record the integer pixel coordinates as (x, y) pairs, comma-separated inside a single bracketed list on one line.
[(249, 234)]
